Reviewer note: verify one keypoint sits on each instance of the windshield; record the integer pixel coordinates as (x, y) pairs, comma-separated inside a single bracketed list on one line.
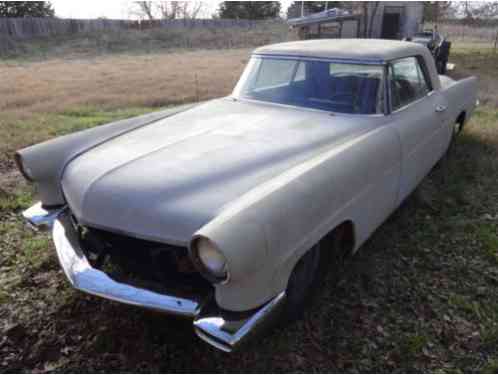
[(330, 86)]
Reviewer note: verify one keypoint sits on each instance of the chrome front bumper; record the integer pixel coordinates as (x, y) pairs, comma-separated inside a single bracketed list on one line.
[(224, 330), (42, 218)]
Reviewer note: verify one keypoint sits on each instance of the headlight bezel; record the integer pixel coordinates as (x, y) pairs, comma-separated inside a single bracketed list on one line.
[(200, 265), (22, 168)]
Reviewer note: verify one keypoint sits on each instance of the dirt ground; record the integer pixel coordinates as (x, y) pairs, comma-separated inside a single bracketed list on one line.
[(420, 296)]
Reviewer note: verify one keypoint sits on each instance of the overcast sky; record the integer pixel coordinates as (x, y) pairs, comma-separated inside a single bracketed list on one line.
[(116, 9)]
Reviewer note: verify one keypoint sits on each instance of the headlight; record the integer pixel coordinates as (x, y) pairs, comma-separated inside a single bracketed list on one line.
[(26, 172), (210, 259)]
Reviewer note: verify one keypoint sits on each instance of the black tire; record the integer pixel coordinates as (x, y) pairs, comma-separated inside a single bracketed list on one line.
[(457, 129), (444, 162), (309, 273), (441, 66), (444, 66)]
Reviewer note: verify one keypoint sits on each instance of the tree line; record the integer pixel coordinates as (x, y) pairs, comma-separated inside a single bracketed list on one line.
[(26, 9)]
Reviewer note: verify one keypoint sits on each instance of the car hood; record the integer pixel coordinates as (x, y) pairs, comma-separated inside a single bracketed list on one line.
[(165, 180)]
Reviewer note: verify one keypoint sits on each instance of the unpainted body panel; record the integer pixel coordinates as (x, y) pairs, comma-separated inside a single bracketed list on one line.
[(423, 133), (168, 179), (461, 96), (294, 210)]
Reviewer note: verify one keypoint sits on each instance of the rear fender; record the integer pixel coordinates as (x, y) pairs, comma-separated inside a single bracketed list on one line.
[(461, 96)]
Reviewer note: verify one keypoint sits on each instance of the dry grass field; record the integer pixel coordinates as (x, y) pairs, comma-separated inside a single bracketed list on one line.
[(420, 296), (49, 97), (119, 81), (467, 33)]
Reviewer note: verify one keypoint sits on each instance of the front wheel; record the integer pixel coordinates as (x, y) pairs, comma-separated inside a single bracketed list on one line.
[(304, 277), (310, 272)]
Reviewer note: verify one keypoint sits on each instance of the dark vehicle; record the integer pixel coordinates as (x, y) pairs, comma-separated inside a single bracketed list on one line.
[(437, 44)]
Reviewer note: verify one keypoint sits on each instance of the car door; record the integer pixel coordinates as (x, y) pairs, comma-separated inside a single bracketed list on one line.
[(417, 113)]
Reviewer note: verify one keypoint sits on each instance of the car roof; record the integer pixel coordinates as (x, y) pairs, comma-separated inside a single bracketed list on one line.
[(368, 50)]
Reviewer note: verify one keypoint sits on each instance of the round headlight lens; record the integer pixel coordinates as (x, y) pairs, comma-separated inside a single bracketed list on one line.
[(211, 258)]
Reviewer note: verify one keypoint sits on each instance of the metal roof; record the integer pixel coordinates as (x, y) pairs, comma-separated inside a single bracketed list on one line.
[(370, 50), (334, 14)]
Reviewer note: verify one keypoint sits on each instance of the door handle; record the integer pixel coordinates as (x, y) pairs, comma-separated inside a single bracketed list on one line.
[(441, 108)]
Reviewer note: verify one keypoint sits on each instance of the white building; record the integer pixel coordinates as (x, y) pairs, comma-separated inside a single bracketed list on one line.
[(383, 19)]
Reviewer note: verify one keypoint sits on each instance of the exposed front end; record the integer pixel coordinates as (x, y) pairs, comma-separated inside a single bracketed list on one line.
[(148, 274)]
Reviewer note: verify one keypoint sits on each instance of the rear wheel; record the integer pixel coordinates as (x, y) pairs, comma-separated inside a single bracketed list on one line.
[(441, 66), (457, 129), (444, 161)]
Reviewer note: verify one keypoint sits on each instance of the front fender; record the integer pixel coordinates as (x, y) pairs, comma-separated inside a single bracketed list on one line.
[(242, 239), (356, 181)]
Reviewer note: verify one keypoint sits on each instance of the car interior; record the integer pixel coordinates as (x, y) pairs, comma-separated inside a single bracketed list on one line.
[(318, 87)]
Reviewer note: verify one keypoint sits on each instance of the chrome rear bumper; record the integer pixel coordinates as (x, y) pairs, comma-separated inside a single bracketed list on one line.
[(224, 330)]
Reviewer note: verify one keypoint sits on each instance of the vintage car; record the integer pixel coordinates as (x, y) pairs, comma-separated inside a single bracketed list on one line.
[(228, 211)]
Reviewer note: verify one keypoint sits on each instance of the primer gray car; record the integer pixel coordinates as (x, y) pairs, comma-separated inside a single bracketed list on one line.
[(219, 211)]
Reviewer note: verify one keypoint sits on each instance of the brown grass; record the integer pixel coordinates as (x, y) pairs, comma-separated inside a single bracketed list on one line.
[(119, 81), (482, 62)]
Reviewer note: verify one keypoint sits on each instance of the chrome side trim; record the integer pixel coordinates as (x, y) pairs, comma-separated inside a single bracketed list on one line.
[(227, 331), (41, 218), (90, 280), (338, 60)]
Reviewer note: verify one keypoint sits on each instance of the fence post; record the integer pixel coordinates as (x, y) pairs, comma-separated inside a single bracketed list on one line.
[(496, 41)]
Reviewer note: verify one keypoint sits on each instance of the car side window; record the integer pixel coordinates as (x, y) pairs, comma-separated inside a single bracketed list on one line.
[(300, 74), (407, 82)]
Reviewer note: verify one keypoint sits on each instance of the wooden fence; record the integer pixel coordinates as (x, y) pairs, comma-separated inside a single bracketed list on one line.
[(25, 28)]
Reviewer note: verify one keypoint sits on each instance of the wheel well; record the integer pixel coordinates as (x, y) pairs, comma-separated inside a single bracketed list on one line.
[(345, 231)]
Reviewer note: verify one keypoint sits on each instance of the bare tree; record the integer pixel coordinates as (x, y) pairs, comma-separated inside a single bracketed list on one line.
[(439, 10), (144, 9), (167, 10), (191, 9), (472, 10)]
